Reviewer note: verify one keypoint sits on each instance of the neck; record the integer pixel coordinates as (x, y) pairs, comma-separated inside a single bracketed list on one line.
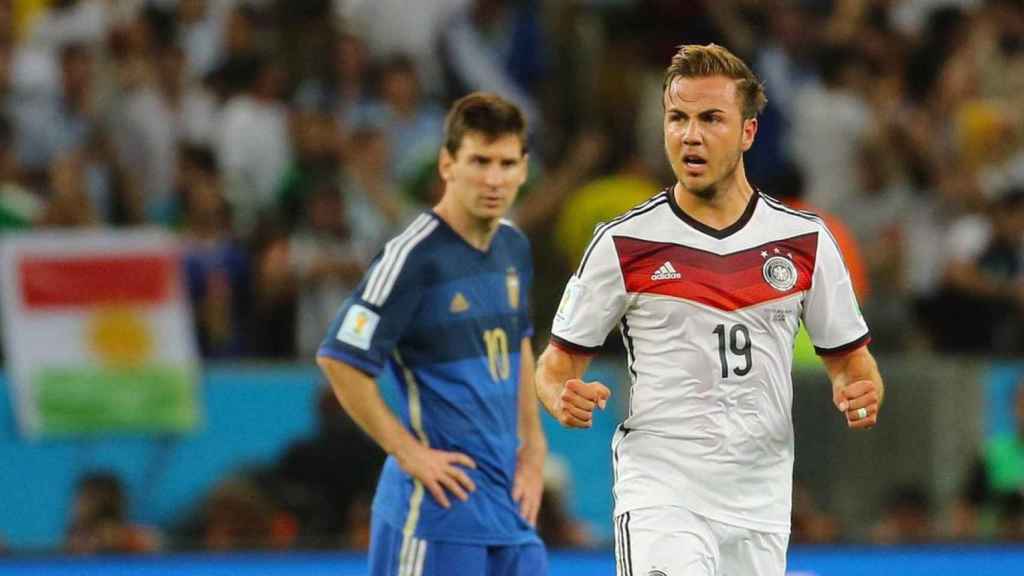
[(722, 208), (477, 232)]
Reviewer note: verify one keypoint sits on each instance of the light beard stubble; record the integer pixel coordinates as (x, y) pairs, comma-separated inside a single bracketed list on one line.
[(709, 192)]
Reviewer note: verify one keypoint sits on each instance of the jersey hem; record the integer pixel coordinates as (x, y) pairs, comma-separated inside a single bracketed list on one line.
[(369, 368), (738, 521), (848, 347), (573, 348), (474, 540)]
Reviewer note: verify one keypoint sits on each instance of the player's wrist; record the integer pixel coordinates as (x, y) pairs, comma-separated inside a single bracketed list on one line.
[(404, 449)]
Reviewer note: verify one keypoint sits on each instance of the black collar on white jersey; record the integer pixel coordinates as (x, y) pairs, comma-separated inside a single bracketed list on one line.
[(714, 232)]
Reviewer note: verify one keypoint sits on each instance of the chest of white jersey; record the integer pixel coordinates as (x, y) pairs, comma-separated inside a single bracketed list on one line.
[(708, 318)]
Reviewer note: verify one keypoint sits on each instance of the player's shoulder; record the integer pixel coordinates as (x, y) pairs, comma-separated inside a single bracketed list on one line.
[(512, 239), (791, 217), (404, 256), (419, 236), (638, 216), (510, 230)]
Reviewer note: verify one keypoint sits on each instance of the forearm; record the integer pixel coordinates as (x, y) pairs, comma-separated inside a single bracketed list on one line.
[(360, 397), (852, 367), (554, 368)]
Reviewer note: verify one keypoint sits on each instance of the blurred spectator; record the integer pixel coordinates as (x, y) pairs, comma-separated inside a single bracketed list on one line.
[(788, 186), (243, 33), (71, 21), (19, 206), (201, 27), (783, 62), (99, 520), (810, 524), (216, 265), (401, 27), (626, 184), (154, 120), (48, 126), (239, 515), (327, 263), (334, 474), (6, 75), (877, 216), (304, 31), (69, 204), (317, 146), (346, 84), (990, 504), (555, 523), (496, 46), (254, 147), (831, 124), (273, 315), (906, 518), (983, 300), (374, 205), (413, 125), (543, 199)]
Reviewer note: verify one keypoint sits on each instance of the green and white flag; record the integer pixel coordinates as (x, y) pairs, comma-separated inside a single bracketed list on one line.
[(98, 333)]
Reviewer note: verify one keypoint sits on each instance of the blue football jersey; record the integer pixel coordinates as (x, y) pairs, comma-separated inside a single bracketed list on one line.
[(448, 320)]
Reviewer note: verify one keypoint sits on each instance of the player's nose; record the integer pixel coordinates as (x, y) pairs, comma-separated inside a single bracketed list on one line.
[(691, 134), (494, 176)]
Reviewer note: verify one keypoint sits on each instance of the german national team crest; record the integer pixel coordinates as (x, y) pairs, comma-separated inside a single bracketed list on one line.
[(780, 272), (512, 287)]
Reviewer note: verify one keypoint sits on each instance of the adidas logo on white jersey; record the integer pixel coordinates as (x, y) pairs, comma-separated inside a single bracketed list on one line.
[(666, 272)]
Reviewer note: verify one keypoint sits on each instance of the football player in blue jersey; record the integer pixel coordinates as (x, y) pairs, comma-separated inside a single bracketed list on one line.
[(444, 308)]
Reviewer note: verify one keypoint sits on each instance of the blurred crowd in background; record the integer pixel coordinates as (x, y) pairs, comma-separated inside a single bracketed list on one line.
[(286, 140)]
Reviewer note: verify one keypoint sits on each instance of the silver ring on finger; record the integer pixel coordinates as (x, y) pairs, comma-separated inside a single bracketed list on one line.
[(862, 413)]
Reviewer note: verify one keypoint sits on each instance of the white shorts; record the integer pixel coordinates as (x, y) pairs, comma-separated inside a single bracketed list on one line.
[(672, 541)]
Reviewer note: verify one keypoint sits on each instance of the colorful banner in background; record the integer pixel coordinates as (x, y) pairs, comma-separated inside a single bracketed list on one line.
[(98, 333)]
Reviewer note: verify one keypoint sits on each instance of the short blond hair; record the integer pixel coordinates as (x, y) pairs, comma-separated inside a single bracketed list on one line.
[(696, 61)]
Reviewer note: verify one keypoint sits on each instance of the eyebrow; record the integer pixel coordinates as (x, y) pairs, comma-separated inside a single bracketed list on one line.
[(706, 111)]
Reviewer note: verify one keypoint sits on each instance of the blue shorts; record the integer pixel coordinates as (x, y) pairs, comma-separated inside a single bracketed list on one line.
[(392, 555)]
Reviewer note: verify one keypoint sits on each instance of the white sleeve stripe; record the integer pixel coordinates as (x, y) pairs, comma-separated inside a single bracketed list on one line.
[(387, 260), (380, 296)]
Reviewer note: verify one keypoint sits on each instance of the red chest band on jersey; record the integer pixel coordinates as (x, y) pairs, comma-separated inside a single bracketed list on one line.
[(725, 281)]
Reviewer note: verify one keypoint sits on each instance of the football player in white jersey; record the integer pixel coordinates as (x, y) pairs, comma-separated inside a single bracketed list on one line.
[(708, 282)]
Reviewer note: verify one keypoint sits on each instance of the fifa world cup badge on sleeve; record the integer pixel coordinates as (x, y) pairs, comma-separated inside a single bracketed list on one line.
[(570, 302), (358, 327)]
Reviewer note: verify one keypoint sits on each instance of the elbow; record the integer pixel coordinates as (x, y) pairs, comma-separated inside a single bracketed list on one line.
[(325, 364)]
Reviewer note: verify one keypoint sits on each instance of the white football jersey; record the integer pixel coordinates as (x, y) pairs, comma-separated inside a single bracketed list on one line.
[(708, 318)]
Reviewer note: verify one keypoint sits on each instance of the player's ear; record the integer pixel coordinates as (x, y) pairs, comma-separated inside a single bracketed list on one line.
[(444, 164), (524, 169), (749, 131)]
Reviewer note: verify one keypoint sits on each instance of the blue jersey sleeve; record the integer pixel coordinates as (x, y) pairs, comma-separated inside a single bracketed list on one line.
[(370, 323)]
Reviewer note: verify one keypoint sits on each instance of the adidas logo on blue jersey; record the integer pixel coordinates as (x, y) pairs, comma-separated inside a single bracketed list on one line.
[(666, 272)]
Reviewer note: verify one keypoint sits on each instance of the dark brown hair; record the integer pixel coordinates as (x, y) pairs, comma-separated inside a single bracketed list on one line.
[(695, 61), (485, 113)]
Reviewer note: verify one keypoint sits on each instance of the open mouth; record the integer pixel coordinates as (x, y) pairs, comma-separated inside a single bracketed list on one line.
[(694, 162)]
